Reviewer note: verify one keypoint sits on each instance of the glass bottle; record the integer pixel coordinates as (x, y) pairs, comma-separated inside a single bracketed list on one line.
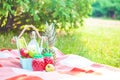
[(33, 46), (48, 58), (38, 63)]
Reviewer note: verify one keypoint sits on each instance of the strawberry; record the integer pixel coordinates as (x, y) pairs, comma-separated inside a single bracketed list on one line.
[(38, 64)]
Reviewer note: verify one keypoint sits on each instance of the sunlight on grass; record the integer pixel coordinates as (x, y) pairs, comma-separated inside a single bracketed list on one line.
[(103, 44), (99, 44)]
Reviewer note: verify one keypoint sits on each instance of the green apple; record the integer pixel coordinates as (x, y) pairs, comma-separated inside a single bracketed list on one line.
[(49, 68), (32, 53)]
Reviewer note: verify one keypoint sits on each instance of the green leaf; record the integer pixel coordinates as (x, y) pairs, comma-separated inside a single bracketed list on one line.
[(36, 17)]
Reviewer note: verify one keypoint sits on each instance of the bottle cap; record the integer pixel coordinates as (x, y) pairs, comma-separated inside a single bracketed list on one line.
[(47, 54), (38, 56)]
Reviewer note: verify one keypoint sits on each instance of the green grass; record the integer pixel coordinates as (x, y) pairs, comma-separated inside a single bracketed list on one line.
[(102, 44), (5, 41), (99, 44)]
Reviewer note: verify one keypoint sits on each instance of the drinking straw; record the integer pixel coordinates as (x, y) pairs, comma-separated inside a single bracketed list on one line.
[(16, 39), (47, 45), (41, 44)]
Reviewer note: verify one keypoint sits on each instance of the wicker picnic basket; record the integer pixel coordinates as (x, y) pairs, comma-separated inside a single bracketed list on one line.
[(34, 56)]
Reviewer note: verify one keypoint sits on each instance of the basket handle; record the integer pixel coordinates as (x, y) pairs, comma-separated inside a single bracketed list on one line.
[(29, 26)]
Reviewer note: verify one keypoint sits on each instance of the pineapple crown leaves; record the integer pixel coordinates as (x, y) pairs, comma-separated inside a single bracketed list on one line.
[(50, 34)]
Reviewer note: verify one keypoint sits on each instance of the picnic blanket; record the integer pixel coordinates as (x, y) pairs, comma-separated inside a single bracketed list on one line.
[(68, 67)]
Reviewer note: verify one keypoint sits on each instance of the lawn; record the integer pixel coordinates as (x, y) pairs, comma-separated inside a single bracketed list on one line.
[(98, 41)]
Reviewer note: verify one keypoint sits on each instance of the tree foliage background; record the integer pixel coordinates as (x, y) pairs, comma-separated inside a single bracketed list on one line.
[(106, 8), (15, 13)]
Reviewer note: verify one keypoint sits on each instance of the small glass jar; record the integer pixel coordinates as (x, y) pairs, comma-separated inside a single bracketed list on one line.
[(48, 58), (38, 63)]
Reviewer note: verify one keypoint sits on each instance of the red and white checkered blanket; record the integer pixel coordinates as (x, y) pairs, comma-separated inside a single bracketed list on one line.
[(68, 67)]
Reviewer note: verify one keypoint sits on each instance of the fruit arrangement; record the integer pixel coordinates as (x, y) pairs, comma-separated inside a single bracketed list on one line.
[(40, 60), (32, 55)]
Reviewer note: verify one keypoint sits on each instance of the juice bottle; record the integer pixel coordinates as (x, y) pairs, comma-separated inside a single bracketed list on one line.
[(38, 63), (48, 58)]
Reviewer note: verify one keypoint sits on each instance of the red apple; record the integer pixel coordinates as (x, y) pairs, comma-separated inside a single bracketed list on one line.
[(28, 56), (23, 52)]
